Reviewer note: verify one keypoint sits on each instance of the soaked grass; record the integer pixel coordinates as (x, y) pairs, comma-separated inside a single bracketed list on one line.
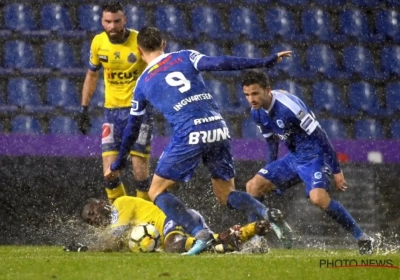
[(29, 262)]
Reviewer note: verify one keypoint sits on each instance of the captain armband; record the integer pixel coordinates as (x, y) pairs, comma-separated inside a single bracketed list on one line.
[(307, 122)]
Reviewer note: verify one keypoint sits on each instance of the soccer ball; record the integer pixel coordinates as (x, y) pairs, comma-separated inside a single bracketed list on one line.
[(144, 238)]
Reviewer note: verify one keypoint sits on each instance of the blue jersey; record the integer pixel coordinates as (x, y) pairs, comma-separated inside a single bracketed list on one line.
[(290, 119), (173, 85)]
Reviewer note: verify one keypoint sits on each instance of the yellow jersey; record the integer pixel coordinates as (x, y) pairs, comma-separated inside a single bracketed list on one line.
[(128, 211), (122, 65)]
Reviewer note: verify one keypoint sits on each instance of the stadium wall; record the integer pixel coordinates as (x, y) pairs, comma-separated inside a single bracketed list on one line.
[(41, 198)]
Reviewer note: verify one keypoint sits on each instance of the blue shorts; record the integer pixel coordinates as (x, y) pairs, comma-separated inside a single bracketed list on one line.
[(183, 154), (115, 121), (289, 171)]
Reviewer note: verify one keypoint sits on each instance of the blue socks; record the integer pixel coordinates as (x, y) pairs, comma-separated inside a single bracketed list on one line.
[(244, 202), (176, 210), (254, 216), (337, 212)]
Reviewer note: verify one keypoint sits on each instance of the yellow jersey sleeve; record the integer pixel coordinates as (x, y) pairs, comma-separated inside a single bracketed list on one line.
[(128, 211), (94, 61), (122, 65)]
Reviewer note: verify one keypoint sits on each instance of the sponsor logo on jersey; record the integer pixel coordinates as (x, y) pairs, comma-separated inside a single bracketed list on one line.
[(263, 171), (162, 62), (117, 55), (123, 75), (107, 133), (103, 58), (132, 58), (209, 136), (317, 175), (190, 99), (206, 120), (285, 136), (280, 123)]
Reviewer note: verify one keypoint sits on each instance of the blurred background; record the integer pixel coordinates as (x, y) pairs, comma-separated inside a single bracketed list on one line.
[(345, 66)]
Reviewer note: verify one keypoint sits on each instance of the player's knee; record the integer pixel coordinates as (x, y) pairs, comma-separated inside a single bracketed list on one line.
[(320, 199), (222, 196), (257, 189)]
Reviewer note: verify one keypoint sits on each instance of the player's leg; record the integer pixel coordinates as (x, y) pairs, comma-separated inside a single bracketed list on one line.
[(217, 157), (257, 187), (317, 178), (276, 177), (114, 188), (198, 217), (219, 161), (244, 202), (110, 141), (177, 164), (233, 238), (141, 173), (174, 208), (176, 240), (140, 154), (256, 228)]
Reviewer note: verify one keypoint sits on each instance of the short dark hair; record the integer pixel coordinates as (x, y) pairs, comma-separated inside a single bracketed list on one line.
[(113, 7), (252, 77), (150, 39)]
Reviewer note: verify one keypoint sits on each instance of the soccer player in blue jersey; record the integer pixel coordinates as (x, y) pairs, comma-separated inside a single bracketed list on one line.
[(173, 84), (311, 159)]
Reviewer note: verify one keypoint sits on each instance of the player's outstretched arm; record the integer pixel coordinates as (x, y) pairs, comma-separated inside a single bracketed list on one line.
[(222, 63)]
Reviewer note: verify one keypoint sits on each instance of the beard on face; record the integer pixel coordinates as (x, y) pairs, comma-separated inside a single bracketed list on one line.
[(117, 36)]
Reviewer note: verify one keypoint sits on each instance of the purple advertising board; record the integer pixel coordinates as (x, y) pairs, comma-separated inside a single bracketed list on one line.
[(379, 151)]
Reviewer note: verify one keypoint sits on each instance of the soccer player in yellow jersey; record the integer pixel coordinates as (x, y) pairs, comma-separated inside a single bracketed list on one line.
[(128, 211), (116, 51)]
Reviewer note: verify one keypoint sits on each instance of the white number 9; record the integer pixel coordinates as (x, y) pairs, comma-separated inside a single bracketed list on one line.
[(177, 79)]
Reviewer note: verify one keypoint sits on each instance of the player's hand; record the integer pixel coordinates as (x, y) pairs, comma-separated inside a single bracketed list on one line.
[(76, 247), (281, 55), (110, 175), (340, 182), (84, 120)]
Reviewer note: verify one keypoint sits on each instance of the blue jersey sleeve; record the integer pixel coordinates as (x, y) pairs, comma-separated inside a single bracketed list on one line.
[(138, 102), (330, 152), (220, 63), (307, 121)]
